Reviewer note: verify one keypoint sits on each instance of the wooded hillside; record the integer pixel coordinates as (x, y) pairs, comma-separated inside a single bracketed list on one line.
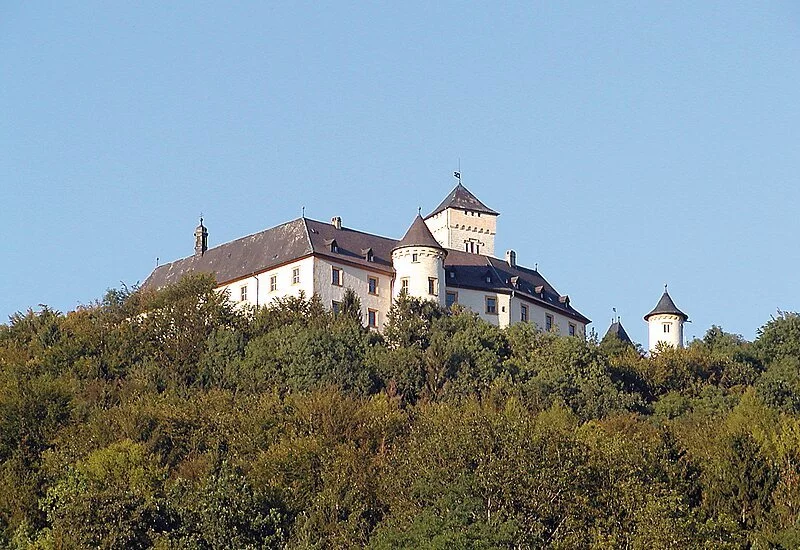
[(171, 420)]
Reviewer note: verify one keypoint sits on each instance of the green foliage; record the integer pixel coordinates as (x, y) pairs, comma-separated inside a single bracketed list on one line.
[(171, 419), (112, 499), (780, 337)]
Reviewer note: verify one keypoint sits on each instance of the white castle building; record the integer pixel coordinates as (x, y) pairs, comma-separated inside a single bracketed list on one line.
[(447, 257)]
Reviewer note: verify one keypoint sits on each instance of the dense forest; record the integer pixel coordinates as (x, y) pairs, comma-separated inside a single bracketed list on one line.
[(171, 419)]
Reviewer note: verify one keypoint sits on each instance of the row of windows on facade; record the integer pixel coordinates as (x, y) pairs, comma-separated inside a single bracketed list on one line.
[(337, 278), (273, 283)]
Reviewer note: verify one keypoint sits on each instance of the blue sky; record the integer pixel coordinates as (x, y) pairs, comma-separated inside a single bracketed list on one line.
[(625, 144)]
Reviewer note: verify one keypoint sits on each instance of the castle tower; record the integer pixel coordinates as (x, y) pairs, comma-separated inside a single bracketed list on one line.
[(665, 323), (418, 260), (200, 239), (462, 222)]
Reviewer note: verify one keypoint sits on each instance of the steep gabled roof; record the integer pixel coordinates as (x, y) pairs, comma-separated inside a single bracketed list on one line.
[(461, 198), (419, 235), (616, 330), (666, 306)]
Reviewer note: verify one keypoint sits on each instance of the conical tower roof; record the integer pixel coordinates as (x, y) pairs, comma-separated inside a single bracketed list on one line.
[(616, 330), (666, 306), (461, 198), (418, 235)]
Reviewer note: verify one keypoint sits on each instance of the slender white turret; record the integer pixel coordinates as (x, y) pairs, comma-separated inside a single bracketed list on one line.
[(418, 261), (665, 323)]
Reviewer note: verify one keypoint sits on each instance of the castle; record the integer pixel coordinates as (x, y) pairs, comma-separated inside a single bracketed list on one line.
[(447, 257)]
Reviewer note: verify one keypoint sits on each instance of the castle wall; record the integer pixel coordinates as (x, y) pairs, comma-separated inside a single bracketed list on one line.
[(357, 279), (509, 311), (284, 280)]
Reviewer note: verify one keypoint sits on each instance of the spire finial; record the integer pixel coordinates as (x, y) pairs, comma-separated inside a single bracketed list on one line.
[(665, 287), (303, 212), (419, 210)]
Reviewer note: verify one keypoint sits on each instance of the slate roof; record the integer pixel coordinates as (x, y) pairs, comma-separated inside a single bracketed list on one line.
[(461, 198), (419, 235), (616, 330), (302, 237), (478, 272), (276, 246), (666, 306)]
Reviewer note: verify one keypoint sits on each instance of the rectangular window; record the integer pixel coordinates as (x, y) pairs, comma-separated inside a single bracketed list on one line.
[(571, 329), (404, 284), (273, 283), (451, 298), (523, 313), (491, 305), (372, 318), (336, 276), (548, 322), (336, 307), (414, 257), (433, 286), (373, 285), (243, 293), (296, 276), (666, 327)]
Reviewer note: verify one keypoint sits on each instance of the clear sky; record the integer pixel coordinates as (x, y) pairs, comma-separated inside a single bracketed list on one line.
[(626, 145)]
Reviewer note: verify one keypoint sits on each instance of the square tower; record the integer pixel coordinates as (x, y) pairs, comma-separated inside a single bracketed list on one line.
[(462, 222)]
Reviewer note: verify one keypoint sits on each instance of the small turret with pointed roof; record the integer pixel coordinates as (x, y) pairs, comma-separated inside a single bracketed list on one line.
[(463, 222), (200, 239), (666, 306), (418, 261), (665, 323)]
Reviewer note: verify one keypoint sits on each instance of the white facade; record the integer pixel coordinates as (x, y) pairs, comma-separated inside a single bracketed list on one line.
[(420, 269), (508, 309), (287, 280), (314, 275), (665, 329)]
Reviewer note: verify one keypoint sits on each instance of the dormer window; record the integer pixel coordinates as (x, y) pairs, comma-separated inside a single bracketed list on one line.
[(334, 247), (368, 255)]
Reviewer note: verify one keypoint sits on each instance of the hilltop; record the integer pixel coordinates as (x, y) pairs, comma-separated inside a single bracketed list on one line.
[(171, 419)]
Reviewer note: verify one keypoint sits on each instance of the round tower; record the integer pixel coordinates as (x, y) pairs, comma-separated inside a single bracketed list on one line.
[(665, 323), (418, 261)]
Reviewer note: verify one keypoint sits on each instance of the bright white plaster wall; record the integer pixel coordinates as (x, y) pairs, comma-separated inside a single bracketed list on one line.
[(430, 263), (656, 334), (284, 280)]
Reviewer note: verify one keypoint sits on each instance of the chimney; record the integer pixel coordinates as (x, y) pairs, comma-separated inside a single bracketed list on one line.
[(336, 222), (511, 258)]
